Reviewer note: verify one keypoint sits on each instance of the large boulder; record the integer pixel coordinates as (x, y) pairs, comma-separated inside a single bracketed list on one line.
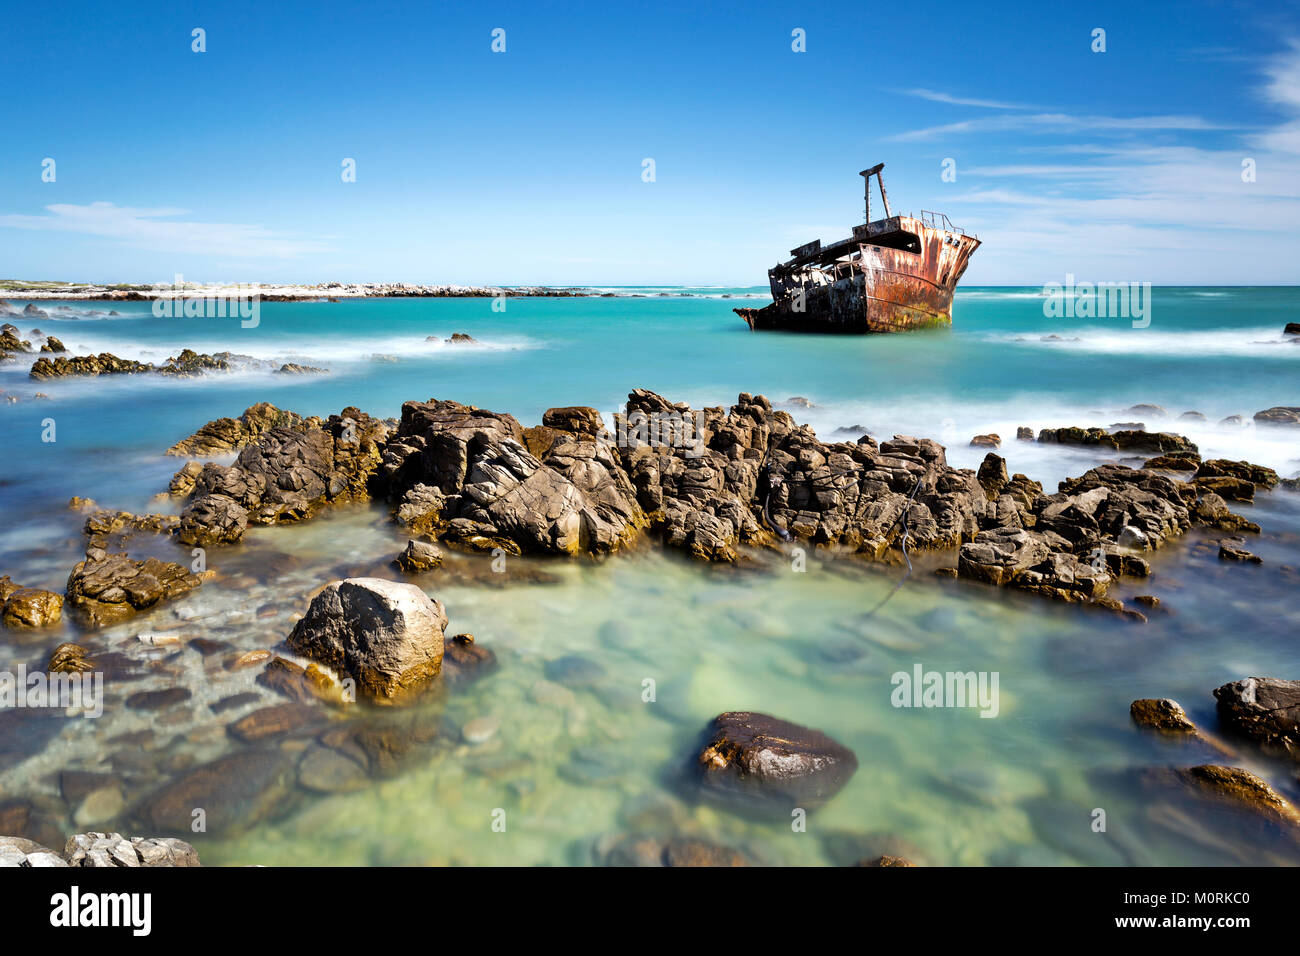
[(386, 636), (1265, 709), (766, 760)]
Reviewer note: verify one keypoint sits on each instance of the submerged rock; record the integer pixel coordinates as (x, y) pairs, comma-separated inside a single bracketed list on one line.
[(1239, 789), (233, 792), (767, 760), (387, 636)]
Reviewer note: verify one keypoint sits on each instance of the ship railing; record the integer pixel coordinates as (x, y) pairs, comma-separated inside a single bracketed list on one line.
[(937, 220)]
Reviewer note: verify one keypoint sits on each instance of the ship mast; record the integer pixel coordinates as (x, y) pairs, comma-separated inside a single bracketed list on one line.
[(866, 175)]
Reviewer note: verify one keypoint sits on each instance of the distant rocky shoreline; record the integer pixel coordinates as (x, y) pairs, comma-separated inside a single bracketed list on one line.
[(328, 291)]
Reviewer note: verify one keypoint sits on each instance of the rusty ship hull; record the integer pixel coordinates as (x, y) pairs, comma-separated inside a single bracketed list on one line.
[(896, 274)]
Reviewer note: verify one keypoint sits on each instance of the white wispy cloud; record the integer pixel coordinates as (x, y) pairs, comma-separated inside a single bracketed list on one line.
[(158, 229), (936, 96), (1058, 123)]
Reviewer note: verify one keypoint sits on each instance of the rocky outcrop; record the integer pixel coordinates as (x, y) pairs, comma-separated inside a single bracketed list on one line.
[(713, 483), (286, 475), (1265, 710), (99, 850), (386, 636), (467, 475), (1124, 439), (766, 760), (187, 364), (1279, 415), (108, 587), (231, 434), (16, 851), (52, 344), (112, 849), (1257, 475)]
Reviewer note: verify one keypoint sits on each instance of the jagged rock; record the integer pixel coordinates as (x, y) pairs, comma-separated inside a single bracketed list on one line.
[(212, 519), (578, 419), (992, 475), (53, 345), (32, 608), (986, 441), (1234, 489), (287, 474), (15, 851), (112, 849), (1258, 475), (108, 587), (1164, 715), (1265, 709), (1124, 439), (1179, 461), (1024, 433), (231, 434), (485, 489), (185, 365), (763, 758), (1292, 328), (182, 483), (69, 658), (387, 636)]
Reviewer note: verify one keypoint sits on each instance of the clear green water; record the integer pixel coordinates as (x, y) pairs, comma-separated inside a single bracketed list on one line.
[(572, 767)]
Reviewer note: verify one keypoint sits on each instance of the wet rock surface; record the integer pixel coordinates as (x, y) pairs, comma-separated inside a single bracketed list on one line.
[(108, 587), (713, 483), (763, 760), (386, 636), (1265, 710), (1164, 715)]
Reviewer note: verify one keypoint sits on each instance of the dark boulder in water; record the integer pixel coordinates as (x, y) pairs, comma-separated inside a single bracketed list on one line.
[(765, 760), (1265, 709)]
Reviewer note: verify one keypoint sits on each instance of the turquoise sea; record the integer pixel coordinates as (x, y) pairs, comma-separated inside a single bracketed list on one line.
[(575, 768)]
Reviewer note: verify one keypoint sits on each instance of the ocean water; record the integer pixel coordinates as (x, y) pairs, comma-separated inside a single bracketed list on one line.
[(572, 769)]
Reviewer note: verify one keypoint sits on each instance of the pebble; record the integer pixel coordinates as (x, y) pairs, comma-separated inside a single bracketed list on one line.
[(159, 640), (480, 730)]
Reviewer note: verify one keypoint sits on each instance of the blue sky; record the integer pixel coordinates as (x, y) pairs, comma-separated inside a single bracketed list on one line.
[(526, 166)]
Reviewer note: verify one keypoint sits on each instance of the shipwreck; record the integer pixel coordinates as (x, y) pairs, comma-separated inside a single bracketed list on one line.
[(895, 274)]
